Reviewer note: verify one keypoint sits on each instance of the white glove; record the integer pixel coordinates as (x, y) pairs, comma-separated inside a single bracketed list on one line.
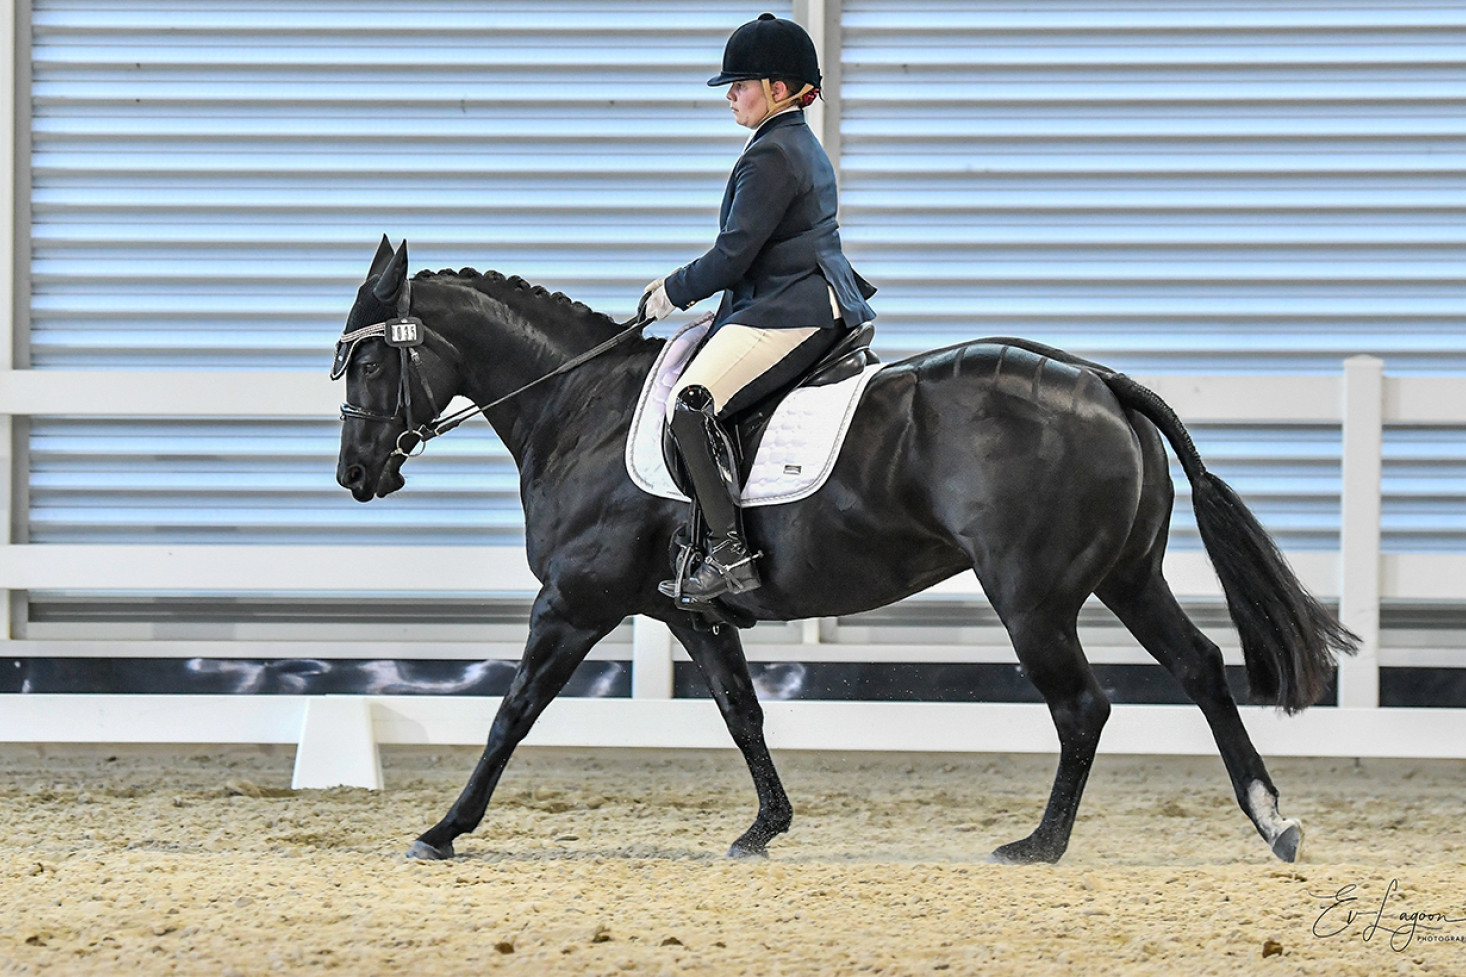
[(654, 302)]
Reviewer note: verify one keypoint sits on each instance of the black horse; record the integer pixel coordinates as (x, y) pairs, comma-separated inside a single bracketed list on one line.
[(1043, 473)]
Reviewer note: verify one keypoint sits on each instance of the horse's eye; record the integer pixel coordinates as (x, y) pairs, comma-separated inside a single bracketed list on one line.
[(371, 368)]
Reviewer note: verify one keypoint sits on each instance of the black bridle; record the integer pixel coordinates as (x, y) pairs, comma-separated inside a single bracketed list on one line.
[(407, 335)]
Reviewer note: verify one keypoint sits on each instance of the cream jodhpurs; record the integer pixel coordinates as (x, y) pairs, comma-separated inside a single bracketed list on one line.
[(735, 357)]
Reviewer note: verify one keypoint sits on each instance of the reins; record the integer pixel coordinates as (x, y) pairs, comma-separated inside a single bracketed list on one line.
[(631, 327), (406, 333)]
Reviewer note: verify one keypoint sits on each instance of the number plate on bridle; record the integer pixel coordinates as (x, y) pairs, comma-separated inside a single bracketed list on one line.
[(403, 333)]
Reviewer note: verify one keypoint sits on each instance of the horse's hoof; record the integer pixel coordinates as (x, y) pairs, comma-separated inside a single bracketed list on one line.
[(1023, 852), (422, 851), (751, 845), (1289, 844), (738, 851)]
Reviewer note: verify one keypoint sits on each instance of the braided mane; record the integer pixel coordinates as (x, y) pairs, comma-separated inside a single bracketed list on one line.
[(515, 291)]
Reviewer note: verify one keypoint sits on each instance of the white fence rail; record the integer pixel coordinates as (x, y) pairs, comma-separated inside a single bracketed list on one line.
[(338, 736)]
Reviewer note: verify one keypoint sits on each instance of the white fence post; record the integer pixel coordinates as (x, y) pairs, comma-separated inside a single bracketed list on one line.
[(651, 659), (821, 19), (338, 745), (1359, 543)]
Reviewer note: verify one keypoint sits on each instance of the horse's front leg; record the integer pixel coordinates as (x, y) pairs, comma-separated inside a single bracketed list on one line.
[(720, 659), (555, 647)]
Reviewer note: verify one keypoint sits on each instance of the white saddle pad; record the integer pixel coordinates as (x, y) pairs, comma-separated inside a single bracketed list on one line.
[(798, 449)]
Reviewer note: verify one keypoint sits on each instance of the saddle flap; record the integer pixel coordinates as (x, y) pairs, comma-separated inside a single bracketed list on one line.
[(787, 453), (846, 359)]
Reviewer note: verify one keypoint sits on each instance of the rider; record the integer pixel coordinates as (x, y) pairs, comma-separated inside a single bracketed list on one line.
[(789, 294)]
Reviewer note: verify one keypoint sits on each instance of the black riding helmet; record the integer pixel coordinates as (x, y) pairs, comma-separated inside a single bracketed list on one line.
[(769, 48)]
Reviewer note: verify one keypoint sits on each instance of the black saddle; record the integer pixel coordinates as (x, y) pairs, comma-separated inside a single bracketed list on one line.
[(846, 358)]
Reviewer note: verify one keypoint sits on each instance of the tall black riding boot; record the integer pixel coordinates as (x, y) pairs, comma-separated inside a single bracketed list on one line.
[(712, 467)]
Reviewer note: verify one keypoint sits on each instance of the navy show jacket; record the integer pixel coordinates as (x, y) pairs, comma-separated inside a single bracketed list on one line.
[(778, 254)]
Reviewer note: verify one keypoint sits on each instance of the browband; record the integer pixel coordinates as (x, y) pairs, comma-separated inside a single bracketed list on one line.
[(404, 332)]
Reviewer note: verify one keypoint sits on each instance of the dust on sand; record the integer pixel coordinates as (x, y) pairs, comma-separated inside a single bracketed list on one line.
[(201, 861)]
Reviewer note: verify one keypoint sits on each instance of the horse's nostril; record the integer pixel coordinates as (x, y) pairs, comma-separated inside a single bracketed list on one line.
[(354, 475)]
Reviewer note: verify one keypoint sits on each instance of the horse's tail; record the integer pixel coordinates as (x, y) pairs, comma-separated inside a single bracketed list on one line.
[(1290, 641)]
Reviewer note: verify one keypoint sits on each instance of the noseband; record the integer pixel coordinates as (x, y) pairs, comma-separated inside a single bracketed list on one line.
[(407, 334)]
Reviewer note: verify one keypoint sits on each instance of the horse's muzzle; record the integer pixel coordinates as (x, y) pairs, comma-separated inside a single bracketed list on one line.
[(353, 479), (363, 488)]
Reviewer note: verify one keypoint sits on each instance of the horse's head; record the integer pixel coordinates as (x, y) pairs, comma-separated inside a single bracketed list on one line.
[(387, 386)]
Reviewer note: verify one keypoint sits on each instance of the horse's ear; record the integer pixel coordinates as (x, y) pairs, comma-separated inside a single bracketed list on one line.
[(384, 255), (393, 276)]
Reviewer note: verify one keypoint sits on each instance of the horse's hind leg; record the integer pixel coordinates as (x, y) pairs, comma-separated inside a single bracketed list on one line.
[(1048, 647), (556, 646), (1143, 602), (719, 656)]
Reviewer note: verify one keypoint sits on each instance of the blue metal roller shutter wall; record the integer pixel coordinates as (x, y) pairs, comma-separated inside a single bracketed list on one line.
[(125, 481), (210, 180), (1178, 187), (1196, 186), (224, 169)]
